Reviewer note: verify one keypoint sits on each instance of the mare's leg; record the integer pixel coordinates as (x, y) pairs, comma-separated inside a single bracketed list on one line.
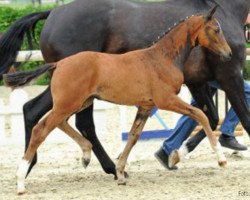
[(181, 107), (85, 145), (85, 124), (135, 132), (39, 133)]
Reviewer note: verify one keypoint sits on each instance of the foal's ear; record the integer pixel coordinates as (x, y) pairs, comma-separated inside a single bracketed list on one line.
[(210, 13)]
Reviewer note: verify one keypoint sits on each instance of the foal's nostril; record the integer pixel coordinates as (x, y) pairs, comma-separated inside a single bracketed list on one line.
[(228, 57)]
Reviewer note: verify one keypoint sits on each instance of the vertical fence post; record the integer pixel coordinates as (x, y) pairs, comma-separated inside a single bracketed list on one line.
[(18, 98), (2, 121)]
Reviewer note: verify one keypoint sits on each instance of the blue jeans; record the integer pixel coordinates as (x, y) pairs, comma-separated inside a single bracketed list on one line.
[(186, 125)]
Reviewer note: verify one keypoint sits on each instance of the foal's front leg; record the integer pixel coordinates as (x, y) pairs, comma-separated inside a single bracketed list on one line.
[(182, 107), (135, 132)]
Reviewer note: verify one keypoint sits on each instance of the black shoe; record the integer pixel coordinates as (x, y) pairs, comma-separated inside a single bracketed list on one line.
[(231, 143), (163, 158)]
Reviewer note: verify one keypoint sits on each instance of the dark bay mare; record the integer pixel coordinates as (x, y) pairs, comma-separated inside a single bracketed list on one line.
[(116, 26), (150, 77)]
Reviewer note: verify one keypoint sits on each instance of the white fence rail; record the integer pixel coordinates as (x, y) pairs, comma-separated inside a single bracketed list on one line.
[(36, 55)]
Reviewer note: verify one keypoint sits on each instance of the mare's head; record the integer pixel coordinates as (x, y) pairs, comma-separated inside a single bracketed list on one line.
[(211, 36)]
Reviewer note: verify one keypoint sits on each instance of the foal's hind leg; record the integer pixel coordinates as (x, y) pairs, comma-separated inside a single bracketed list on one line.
[(33, 111), (181, 107), (39, 133), (134, 134), (85, 145)]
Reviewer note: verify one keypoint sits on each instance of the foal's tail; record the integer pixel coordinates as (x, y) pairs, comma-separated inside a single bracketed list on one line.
[(23, 77), (11, 41)]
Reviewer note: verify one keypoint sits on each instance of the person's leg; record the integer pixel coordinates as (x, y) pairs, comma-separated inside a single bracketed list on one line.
[(229, 124)]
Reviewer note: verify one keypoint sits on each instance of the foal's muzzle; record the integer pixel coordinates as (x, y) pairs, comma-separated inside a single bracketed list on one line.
[(226, 56)]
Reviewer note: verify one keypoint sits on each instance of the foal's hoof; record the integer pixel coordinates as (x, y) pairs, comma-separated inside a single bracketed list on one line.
[(125, 175), (222, 163), (85, 162), (21, 191), (121, 181), (174, 158)]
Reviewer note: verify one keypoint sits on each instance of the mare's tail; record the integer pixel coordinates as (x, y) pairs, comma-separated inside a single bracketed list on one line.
[(11, 41), (23, 77)]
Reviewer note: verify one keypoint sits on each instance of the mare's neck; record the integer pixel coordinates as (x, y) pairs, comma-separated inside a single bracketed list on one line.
[(178, 43), (238, 8)]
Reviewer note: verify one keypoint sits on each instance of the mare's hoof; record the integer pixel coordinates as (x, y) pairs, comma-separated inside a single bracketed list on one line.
[(85, 162), (222, 163)]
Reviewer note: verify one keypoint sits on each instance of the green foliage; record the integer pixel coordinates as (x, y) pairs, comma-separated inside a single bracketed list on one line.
[(8, 15), (246, 70)]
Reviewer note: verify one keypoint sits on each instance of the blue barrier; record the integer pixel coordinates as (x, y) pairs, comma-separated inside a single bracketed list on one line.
[(154, 134)]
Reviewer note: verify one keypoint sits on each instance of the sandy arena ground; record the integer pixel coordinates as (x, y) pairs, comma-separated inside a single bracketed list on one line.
[(60, 175)]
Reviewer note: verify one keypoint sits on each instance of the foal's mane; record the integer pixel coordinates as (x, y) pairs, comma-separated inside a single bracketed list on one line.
[(183, 20), (172, 27)]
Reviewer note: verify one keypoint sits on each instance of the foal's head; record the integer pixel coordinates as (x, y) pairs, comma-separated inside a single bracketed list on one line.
[(211, 36)]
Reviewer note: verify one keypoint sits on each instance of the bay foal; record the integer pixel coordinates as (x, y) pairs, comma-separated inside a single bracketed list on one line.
[(146, 78)]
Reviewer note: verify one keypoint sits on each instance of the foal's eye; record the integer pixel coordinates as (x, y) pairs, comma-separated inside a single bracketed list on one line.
[(217, 30)]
